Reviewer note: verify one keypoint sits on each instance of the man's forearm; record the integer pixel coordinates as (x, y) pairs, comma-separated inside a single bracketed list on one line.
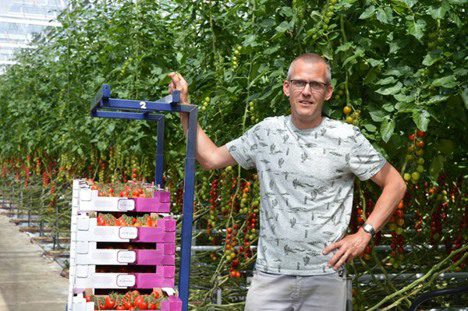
[(386, 205), (205, 146)]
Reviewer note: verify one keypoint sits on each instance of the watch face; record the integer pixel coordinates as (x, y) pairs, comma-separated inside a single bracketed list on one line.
[(369, 229)]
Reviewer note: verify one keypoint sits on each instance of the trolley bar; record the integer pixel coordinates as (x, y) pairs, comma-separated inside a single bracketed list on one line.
[(105, 107)]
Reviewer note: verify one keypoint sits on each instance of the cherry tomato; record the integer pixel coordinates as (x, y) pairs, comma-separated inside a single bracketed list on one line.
[(109, 302)]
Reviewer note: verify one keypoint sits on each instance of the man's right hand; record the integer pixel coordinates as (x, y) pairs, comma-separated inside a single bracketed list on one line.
[(178, 83)]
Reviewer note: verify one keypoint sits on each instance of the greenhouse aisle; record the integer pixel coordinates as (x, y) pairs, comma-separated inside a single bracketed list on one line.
[(28, 281)]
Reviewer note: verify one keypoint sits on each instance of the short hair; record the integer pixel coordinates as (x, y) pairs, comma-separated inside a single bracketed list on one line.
[(311, 58)]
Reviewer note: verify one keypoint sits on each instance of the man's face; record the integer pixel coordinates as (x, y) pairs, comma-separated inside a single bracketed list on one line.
[(307, 100)]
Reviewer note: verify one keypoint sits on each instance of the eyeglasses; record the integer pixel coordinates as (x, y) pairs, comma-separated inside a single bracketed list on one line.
[(315, 86)]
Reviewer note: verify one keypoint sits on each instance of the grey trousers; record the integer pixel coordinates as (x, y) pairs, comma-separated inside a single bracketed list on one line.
[(274, 292)]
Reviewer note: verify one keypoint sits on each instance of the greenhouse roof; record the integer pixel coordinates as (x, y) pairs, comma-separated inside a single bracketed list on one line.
[(20, 20)]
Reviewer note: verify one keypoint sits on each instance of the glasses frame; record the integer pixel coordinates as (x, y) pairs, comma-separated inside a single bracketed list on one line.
[(324, 85)]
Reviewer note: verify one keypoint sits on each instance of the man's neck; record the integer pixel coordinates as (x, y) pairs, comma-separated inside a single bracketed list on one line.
[(309, 124)]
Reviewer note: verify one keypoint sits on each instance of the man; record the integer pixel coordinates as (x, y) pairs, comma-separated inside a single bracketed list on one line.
[(306, 164)]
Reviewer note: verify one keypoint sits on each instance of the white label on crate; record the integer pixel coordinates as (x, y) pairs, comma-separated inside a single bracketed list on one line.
[(142, 105), (81, 247), (128, 232), (83, 223), (125, 280), (126, 256), (81, 271), (85, 195), (126, 205)]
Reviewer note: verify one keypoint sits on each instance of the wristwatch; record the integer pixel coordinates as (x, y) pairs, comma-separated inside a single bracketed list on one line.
[(369, 229)]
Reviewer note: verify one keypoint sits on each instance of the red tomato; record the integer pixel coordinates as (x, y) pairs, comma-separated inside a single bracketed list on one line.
[(149, 221), (155, 293), (153, 306), (127, 304), (109, 302), (102, 303), (143, 305), (120, 307)]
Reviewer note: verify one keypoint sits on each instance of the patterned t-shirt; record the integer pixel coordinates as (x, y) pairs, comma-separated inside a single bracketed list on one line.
[(306, 188)]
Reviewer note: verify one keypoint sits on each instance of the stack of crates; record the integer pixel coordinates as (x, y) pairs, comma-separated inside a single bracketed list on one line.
[(86, 255)]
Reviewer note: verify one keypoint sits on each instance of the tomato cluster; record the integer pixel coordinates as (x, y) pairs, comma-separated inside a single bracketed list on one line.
[(414, 157), (146, 220), (130, 189), (131, 300)]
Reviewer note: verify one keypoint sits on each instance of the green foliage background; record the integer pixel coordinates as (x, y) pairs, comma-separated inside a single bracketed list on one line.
[(399, 64)]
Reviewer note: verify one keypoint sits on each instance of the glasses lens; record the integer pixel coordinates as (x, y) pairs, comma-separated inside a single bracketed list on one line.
[(316, 86), (299, 84)]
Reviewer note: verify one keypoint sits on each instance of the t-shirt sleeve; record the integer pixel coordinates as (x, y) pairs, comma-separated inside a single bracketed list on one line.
[(364, 160), (244, 148)]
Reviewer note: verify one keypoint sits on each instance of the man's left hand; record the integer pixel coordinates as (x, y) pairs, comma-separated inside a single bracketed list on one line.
[(349, 247)]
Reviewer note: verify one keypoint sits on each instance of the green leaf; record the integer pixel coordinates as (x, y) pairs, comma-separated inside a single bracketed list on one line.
[(437, 99), (464, 96), (405, 106), (421, 119), (375, 62), (367, 12), (399, 71), (438, 13), (404, 98), (432, 58), (417, 28), (272, 50), (385, 81), (110, 128), (344, 47), (370, 127), (387, 128), (384, 15), (286, 11), (410, 3), (447, 82), (437, 165), (250, 41), (283, 27), (454, 17), (390, 90), (377, 115), (388, 107)]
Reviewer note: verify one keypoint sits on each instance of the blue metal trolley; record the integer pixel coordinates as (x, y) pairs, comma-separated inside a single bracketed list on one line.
[(104, 106)]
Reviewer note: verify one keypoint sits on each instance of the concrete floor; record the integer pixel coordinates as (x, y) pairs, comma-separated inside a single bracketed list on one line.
[(28, 281)]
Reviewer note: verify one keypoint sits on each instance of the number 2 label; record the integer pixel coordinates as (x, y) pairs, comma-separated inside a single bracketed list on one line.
[(143, 105)]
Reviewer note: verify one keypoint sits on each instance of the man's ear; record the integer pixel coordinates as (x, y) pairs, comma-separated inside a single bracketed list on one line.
[(286, 87), (329, 92)]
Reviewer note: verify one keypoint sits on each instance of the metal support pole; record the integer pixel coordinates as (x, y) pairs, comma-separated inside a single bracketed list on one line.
[(189, 189), (158, 176)]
